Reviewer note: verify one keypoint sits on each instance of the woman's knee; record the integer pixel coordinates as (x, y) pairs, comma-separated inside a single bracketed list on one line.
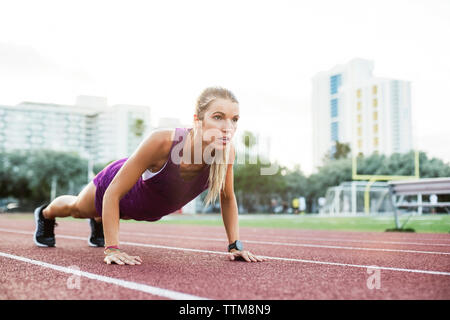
[(84, 207), (61, 206), (76, 213)]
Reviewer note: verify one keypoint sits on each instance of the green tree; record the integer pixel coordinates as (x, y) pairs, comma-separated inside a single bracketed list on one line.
[(248, 139), (341, 151), (252, 188), (333, 172), (27, 175), (296, 184), (330, 174), (403, 164), (138, 127)]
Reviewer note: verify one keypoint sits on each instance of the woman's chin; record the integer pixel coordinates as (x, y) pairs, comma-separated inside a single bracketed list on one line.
[(220, 145)]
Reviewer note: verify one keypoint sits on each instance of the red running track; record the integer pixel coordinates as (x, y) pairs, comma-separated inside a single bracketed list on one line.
[(189, 262)]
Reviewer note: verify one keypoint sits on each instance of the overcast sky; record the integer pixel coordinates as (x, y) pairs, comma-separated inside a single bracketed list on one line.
[(164, 53)]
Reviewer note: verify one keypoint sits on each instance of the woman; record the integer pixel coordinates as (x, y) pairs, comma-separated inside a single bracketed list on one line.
[(167, 170)]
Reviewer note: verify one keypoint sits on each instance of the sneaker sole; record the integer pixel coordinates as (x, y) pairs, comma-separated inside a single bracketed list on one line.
[(36, 219), (93, 244)]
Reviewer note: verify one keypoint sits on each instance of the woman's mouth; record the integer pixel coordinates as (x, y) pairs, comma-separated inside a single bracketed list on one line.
[(224, 139)]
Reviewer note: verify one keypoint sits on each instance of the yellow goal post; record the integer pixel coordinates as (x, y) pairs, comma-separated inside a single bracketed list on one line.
[(371, 178)]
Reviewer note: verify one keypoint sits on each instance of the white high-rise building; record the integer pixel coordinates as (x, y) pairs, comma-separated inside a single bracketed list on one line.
[(352, 106), (90, 127), (171, 123)]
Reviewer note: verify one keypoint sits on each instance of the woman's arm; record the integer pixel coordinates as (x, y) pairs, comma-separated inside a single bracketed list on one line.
[(229, 211), (110, 219), (152, 150)]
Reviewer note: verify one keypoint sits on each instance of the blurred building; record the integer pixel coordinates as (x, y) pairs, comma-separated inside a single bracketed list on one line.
[(90, 127), (171, 123), (352, 106)]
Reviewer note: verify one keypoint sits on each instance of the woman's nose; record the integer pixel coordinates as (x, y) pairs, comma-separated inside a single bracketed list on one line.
[(229, 125)]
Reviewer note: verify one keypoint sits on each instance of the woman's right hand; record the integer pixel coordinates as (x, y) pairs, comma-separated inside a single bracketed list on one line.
[(120, 257)]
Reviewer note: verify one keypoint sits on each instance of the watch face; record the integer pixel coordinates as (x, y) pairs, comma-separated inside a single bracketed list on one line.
[(239, 245)]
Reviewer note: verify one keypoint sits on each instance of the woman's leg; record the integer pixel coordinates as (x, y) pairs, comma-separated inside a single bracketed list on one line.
[(81, 206), (60, 207)]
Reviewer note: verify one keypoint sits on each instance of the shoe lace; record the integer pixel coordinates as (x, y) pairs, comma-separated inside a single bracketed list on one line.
[(49, 226)]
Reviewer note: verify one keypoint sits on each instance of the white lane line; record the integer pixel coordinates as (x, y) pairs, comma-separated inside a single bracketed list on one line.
[(355, 234), (345, 240), (366, 241), (122, 283), (283, 243), (267, 257)]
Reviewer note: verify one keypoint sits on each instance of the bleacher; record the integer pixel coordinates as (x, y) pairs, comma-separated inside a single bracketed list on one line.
[(431, 187)]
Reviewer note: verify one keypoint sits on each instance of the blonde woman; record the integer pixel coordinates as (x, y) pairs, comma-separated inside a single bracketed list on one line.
[(167, 170)]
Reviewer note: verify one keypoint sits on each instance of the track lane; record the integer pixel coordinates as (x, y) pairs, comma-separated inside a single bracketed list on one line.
[(274, 233), (346, 255), (208, 273), (24, 281), (345, 239)]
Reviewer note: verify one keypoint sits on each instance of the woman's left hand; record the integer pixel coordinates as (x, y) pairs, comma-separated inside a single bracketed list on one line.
[(245, 255)]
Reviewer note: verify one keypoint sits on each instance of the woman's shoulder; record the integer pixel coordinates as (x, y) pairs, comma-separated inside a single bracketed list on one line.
[(165, 137), (163, 134), (155, 148)]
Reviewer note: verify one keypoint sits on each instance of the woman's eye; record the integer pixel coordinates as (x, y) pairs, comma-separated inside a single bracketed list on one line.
[(219, 117)]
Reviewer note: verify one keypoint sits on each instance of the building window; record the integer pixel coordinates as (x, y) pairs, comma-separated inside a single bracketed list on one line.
[(375, 115), (358, 93), (359, 105), (375, 142), (334, 131), (375, 128), (359, 131), (375, 102), (359, 144), (359, 118), (334, 108), (374, 89), (335, 83)]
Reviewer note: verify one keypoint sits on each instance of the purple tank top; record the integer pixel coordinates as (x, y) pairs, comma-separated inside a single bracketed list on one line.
[(153, 198)]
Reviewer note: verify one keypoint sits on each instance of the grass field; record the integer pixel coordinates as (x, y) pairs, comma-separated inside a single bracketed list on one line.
[(425, 223)]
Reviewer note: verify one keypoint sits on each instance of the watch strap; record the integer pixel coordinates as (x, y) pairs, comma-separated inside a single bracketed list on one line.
[(234, 245)]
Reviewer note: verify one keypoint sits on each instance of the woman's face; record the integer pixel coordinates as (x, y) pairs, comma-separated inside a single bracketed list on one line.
[(219, 123)]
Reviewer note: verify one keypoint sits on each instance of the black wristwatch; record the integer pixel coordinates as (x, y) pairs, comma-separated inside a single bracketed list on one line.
[(236, 245)]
